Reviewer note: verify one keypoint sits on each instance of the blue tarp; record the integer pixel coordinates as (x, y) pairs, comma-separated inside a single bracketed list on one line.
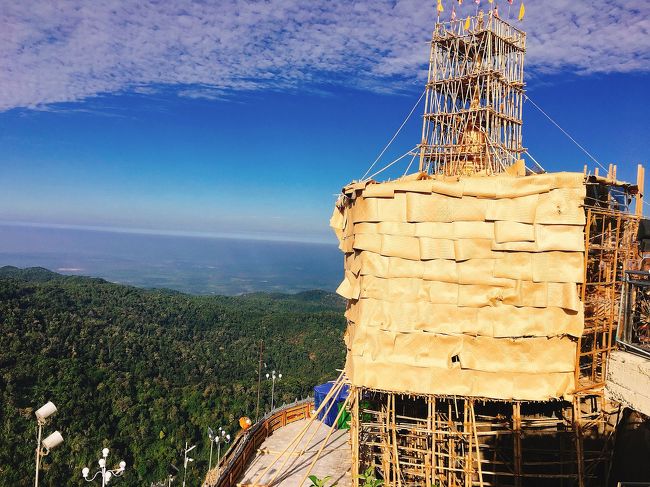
[(320, 392)]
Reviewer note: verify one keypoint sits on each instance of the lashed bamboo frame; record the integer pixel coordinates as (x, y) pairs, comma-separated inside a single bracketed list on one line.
[(457, 444), (475, 86)]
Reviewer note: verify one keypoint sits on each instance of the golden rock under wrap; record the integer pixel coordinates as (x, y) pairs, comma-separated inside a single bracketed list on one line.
[(466, 286)]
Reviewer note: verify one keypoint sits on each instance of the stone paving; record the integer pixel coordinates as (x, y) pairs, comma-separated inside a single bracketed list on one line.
[(335, 461)]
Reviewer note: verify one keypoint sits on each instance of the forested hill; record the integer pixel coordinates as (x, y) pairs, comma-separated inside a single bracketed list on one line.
[(142, 371)]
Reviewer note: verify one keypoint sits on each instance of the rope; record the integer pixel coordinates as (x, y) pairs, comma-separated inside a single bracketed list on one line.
[(394, 136), (564, 132), (535, 161), (391, 163), (410, 164)]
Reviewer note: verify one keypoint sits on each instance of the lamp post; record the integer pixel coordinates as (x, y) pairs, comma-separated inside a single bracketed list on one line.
[(106, 473), (55, 439), (273, 378), (221, 437), (211, 436), (187, 460)]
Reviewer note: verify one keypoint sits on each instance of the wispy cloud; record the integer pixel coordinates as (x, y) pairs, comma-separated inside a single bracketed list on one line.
[(71, 50)]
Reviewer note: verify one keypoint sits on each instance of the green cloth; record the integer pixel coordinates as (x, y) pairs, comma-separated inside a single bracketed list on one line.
[(344, 419)]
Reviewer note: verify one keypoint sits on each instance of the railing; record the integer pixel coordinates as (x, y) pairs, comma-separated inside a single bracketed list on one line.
[(244, 448), (634, 334)]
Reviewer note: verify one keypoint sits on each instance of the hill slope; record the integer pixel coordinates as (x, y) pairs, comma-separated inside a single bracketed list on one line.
[(144, 371)]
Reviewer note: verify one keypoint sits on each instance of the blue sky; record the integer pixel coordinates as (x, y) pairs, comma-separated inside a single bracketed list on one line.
[(246, 118)]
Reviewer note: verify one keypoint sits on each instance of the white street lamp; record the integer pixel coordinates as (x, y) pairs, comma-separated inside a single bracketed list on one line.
[(106, 474), (218, 437), (224, 438), (187, 460), (273, 378), (211, 436), (52, 441)]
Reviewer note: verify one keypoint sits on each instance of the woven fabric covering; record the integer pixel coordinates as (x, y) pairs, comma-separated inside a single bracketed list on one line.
[(465, 286)]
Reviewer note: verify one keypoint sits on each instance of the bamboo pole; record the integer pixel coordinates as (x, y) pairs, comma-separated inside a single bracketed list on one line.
[(640, 183), (331, 430), (296, 440), (516, 433), (297, 443), (577, 430), (478, 449), (397, 470), (354, 433)]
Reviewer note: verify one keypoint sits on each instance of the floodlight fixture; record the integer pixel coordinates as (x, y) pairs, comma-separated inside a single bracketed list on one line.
[(52, 441), (45, 411), (55, 439)]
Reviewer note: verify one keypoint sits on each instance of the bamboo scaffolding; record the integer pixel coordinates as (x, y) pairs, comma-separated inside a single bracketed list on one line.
[(474, 97), (472, 125), (451, 443)]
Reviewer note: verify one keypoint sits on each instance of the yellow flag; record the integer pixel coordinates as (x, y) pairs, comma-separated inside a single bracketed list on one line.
[(439, 8), (491, 1), (467, 23), (522, 12)]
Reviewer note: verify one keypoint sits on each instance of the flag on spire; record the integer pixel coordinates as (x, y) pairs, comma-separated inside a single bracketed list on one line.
[(510, 2), (491, 1), (477, 2), (460, 2), (439, 8), (496, 11), (453, 13), (522, 12)]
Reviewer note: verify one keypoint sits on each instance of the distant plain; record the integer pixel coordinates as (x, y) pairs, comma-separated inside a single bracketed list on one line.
[(195, 265)]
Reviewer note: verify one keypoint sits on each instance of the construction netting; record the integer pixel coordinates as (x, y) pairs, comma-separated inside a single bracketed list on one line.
[(465, 286)]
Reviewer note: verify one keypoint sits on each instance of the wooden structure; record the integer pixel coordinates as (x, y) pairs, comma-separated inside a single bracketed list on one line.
[(415, 432), (474, 96), (440, 439)]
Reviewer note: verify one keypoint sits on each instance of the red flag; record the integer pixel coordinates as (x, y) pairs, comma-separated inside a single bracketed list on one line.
[(477, 2), (510, 2), (453, 13)]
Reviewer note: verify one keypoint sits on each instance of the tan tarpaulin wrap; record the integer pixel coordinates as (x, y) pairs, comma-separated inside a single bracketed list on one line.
[(465, 286)]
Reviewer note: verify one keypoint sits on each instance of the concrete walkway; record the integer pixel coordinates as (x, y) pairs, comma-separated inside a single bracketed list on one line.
[(335, 461)]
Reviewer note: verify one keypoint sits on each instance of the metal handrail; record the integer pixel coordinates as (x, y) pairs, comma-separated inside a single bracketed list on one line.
[(636, 282)]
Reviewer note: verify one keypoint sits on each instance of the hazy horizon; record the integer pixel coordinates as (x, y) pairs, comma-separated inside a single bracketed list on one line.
[(192, 264)]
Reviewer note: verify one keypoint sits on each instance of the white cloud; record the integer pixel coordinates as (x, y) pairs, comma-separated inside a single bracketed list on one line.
[(69, 50)]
